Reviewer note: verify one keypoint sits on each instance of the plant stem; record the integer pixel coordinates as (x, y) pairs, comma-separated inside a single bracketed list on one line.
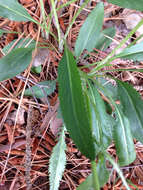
[(109, 58), (95, 180), (116, 167), (74, 18), (44, 19), (56, 19)]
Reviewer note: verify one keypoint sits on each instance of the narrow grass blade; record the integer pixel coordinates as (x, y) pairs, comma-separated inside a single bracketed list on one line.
[(57, 22)]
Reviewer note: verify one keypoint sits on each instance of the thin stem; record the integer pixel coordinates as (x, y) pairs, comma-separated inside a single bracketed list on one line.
[(116, 167), (56, 19), (109, 58), (74, 18), (113, 70), (44, 18), (95, 179), (63, 5), (135, 41), (123, 41)]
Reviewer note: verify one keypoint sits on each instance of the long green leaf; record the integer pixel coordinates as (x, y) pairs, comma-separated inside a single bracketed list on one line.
[(130, 4), (15, 62), (134, 52), (74, 106), (57, 163), (90, 31), (116, 167), (107, 122), (123, 139), (14, 11), (121, 133), (102, 122), (132, 108)]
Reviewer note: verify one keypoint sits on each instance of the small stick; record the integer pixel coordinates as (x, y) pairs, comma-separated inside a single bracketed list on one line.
[(28, 149)]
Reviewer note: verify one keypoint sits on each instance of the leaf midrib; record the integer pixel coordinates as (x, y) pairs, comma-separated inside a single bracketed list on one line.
[(74, 111)]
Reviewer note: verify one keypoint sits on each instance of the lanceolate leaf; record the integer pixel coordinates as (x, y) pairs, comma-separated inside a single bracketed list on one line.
[(57, 163), (132, 108), (122, 134), (130, 4), (90, 31), (123, 139), (15, 62), (73, 105), (14, 11), (42, 89), (134, 52), (103, 122)]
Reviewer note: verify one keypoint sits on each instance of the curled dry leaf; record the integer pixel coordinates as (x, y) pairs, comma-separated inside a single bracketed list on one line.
[(40, 57), (55, 125), (20, 118)]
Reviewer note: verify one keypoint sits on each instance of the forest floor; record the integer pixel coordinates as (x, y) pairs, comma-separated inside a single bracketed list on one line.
[(46, 123)]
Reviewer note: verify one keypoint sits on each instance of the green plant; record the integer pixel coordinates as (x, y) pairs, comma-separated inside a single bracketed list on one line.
[(83, 109), (91, 127)]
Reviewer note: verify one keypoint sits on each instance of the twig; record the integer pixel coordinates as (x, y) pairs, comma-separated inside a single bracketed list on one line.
[(28, 149)]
